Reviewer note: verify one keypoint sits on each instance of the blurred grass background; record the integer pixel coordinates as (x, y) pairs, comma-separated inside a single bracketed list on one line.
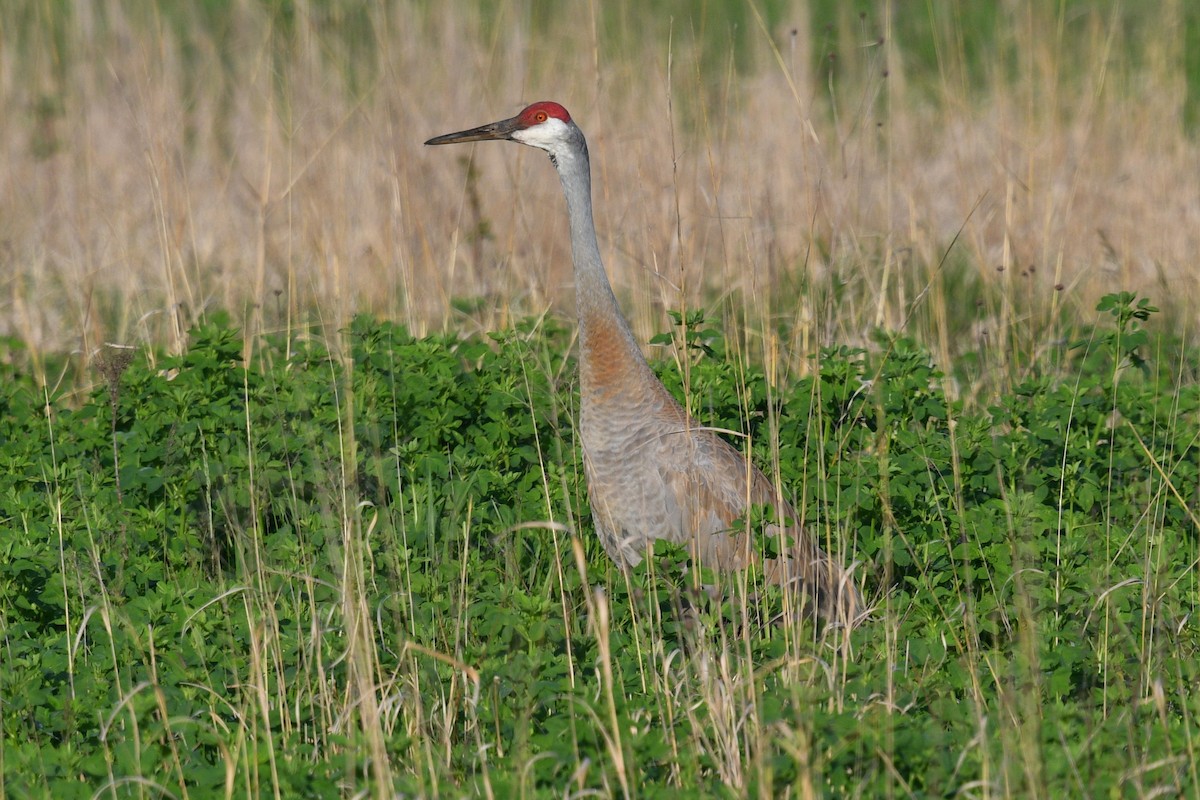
[(974, 175), (807, 172)]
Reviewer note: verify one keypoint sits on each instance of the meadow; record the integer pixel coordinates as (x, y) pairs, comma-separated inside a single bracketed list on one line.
[(291, 503)]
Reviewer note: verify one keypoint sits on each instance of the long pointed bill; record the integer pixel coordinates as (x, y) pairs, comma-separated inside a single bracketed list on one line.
[(495, 130)]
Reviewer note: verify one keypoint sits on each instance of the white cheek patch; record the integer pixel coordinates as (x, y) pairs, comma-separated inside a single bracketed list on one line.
[(547, 135)]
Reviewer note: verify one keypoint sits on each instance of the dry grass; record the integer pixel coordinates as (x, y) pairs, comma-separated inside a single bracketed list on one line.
[(152, 177)]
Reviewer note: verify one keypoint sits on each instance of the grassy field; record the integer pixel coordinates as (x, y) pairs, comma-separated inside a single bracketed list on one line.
[(290, 498), (822, 173)]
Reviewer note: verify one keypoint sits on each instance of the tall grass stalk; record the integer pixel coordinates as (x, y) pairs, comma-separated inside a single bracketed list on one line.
[(810, 178), (818, 173)]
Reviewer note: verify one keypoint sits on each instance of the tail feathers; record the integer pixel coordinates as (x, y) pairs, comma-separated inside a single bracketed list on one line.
[(829, 588)]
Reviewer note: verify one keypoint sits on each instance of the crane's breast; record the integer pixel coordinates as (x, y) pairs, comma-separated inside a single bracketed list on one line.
[(652, 475)]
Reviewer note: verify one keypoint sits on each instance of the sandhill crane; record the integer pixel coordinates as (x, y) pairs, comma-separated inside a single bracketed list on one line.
[(652, 471)]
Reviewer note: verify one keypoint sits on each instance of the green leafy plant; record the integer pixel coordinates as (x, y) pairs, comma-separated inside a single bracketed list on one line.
[(371, 557)]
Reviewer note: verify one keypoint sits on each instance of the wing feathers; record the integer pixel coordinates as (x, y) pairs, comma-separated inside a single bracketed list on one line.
[(689, 484)]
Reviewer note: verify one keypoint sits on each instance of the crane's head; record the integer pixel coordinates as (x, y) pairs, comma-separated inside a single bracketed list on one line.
[(545, 125)]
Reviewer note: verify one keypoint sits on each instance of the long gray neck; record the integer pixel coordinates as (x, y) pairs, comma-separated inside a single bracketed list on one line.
[(594, 300)]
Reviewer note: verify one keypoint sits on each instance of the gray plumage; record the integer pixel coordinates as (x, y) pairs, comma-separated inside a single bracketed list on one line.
[(652, 471)]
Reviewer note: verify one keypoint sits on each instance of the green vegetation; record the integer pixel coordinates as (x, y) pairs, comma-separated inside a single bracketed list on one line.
[(264, 157), (365, 565), (971, 41), (280, 517)]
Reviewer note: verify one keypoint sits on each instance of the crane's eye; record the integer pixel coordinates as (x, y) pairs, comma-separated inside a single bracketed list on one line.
[(540, 116)]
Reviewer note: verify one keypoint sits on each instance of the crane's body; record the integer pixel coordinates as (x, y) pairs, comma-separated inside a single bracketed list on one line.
[(652, 471)]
